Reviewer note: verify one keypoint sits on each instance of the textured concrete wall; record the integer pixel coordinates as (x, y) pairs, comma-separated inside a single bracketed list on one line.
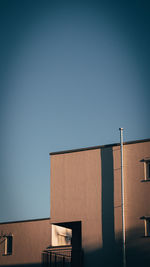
[(137, 199), (85, 186), (29, 240), (76, 194)]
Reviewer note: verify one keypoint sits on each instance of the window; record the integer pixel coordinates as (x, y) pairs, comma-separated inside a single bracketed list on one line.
[(9, 245), (61, 236), (147, 227), (6, 243), (147, 169)]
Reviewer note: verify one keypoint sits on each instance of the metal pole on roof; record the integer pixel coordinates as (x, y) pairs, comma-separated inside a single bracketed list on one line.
[(122, 200)]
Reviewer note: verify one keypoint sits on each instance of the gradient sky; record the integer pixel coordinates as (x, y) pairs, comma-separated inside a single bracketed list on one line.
[(71, 74)]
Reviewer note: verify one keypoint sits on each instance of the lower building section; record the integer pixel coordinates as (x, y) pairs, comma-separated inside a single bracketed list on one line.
[(22, 243)]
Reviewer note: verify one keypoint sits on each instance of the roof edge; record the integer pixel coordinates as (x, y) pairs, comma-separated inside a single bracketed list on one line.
[(22, 221), (97, 147)]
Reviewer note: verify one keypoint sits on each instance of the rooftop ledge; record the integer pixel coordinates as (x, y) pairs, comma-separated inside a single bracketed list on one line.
[(98, 147)]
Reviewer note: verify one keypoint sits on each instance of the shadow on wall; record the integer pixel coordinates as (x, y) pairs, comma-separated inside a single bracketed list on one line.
[(137, 252), (136, 256), (108, 232), (111, 252), (137, 245)]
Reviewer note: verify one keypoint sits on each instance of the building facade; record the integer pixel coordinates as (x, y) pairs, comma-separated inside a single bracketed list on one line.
[(21, 243), (86, 192), (85, 226)]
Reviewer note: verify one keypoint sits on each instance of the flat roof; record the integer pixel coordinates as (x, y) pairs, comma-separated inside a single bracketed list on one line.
[(98, 147)]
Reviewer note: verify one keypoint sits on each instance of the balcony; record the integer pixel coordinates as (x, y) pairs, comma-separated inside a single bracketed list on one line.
[(61, 256)]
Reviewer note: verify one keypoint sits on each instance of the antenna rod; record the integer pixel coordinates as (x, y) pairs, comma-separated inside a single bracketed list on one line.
[(122, 199)]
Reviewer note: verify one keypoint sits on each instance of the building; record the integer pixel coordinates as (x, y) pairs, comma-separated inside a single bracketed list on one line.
[(21, 243), (85, 227)]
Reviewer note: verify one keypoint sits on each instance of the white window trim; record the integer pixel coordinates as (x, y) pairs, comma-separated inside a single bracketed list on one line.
[(5, 246), (146, 174)]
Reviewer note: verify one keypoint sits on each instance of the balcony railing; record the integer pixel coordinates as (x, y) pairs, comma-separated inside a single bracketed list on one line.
[(62, 256)]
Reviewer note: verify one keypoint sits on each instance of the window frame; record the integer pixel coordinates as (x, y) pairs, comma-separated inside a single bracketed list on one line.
[(147, 170), (7, 245), (147, 227)]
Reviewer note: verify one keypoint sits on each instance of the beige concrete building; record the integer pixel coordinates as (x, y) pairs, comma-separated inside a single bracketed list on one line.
[(85, 227), (86, 196), (21, 243)]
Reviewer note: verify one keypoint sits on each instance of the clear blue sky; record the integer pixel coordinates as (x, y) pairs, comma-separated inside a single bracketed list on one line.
[(71, 74)]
